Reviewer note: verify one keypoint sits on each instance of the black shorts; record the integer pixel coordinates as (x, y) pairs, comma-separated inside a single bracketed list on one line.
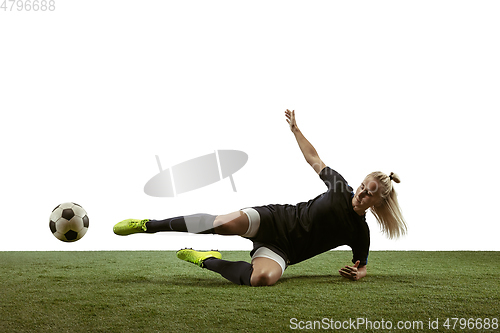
[(265, 236)]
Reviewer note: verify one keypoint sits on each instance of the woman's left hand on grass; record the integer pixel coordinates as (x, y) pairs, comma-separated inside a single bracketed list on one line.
[(350, 272)]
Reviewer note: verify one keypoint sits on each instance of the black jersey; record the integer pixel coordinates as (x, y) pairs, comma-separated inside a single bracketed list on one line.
[(307, 229)]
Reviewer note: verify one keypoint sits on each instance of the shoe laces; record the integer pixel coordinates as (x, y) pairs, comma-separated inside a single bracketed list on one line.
[(139, 224)]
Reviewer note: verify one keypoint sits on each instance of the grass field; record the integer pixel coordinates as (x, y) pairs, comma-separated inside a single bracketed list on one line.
[(156, 292)]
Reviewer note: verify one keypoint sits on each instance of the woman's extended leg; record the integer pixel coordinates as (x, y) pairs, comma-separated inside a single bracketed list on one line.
[(266, 267), (235, 223)]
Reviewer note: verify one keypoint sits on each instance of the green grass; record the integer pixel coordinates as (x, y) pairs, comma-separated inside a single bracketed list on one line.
[(156, 292)]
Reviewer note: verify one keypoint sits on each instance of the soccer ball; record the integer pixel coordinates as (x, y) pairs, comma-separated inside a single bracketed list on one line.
[(69, 222)]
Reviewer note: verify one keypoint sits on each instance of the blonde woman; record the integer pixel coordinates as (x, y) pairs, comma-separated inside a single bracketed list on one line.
[(285, 235)]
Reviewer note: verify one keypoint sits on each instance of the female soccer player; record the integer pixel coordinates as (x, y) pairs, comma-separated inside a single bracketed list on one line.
[(284, 235)]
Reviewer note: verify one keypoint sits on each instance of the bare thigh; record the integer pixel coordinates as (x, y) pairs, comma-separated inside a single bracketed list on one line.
[(235, 223), (266, 272)]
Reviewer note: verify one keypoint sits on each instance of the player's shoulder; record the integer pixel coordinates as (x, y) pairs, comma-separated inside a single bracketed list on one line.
[(330, 174)]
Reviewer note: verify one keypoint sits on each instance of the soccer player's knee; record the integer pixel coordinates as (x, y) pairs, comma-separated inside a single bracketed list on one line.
[(261, 279)]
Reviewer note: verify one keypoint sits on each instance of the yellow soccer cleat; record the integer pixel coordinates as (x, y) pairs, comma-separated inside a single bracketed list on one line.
[(197, 257), (130, 226)]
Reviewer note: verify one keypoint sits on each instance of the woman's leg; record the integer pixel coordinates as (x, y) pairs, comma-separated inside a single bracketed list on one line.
[(241, 223), (266, 272), (267, 266), (235, 223), (196, 224), (261, 272), (238, 272)]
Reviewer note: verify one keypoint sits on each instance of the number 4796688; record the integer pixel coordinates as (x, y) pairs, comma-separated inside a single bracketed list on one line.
[(28, 5), (471, 323)]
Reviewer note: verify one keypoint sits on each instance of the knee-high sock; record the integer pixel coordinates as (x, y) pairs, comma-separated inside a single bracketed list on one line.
[(196, 224), (238, 272)]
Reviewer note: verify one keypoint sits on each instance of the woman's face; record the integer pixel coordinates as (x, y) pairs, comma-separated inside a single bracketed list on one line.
[(366, 196)]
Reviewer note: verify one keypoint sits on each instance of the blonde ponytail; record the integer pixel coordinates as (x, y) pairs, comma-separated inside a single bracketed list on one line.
[(393, 176), (387, 212)]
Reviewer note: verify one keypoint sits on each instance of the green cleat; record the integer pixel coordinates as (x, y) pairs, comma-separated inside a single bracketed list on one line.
[(197, 257), (130, 226)]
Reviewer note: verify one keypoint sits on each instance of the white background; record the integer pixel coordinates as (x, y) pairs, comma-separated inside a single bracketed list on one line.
[(91, 92)]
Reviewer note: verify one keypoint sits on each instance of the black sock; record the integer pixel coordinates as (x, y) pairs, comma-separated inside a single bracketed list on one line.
[(238, 272), (197, 223), (171, 224)]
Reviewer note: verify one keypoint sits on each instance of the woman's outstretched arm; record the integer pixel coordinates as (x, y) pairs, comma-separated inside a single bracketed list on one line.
[(310, 154)]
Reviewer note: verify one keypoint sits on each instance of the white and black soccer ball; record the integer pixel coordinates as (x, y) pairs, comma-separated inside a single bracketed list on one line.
[(69, 222)]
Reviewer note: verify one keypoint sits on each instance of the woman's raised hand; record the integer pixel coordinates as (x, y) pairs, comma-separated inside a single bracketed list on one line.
[(290, 119)]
